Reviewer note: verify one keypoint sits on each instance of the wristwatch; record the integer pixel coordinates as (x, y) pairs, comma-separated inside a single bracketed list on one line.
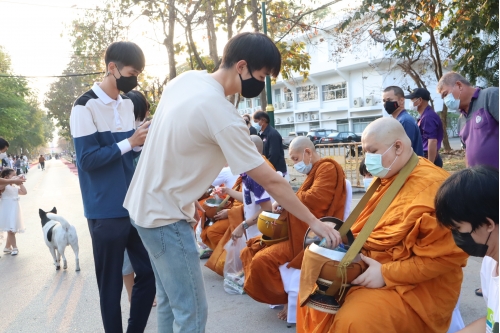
[(245, 225)]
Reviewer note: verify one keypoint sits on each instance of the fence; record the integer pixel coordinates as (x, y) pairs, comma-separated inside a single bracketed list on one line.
[(348, 155)]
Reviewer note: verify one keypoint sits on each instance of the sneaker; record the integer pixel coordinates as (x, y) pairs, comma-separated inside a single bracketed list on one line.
[(6, 250), (14, 252)]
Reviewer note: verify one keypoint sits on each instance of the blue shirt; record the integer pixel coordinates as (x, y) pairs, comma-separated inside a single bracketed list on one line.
[(431, 127), (411, 128)]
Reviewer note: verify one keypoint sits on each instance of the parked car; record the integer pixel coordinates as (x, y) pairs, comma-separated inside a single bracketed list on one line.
[(341, 137), (291, 136), (317, 134), (344, 137)]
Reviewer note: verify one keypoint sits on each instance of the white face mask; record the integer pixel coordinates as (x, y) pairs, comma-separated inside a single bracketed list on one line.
[(367, 182), (374, 164), (302, 167)]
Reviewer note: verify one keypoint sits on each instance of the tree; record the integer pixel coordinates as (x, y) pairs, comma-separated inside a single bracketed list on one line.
[(472, 31), (22, 123), (410, 31)]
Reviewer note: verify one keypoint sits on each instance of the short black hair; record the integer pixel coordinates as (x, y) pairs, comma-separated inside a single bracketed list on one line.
[(258, 115), (469, 195), (257, 49), (362, 168), (5, 172), (397, 91), (3, 143), (141, 104), (125, 54)]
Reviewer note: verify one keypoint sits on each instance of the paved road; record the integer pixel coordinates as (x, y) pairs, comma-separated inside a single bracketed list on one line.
[(34, 297)]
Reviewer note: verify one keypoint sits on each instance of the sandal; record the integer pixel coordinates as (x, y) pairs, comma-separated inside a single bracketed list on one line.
[(478, 292), (14, 252), (6, 250)]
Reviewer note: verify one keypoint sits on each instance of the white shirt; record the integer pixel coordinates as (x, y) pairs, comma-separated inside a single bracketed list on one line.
[(489, 285), (194, 133), (253, 196), (225, 177)]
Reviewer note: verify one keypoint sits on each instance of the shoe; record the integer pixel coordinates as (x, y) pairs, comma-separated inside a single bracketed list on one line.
[(478, 292), (6, 250), (14, 252)]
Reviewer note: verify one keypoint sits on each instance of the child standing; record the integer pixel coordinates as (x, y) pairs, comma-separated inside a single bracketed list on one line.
[(11, 219)]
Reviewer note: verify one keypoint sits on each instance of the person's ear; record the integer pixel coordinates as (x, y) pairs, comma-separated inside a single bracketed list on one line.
[(240, 65), (399, 147), (460, 85), (111, 68), (490, 225)]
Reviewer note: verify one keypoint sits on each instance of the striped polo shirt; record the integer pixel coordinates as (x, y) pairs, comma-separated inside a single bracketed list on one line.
[(100, 127)]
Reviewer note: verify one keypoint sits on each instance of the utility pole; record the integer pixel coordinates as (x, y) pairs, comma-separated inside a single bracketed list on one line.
[(269, 107)]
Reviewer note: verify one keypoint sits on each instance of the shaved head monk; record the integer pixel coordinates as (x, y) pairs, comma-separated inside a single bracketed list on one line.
[(413, 280), (229, 221), (272, 272)]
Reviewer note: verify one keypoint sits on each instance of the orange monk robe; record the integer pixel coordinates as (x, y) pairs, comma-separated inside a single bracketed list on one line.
[(324, 193), (421, 266), (219, 236)]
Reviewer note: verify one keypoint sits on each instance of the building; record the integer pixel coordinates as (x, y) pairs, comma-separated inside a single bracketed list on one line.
[(343, 91)]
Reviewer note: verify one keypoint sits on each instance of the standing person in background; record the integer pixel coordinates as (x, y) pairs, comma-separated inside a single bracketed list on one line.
[(394, 104), (478, 123), (41, 160), (253, 130), (4, 146), (18, 164), (430, 125), (26, 164), (273, 142), (11, 219)]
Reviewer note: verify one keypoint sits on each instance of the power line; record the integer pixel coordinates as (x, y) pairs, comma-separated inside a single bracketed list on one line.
[(48, 76)]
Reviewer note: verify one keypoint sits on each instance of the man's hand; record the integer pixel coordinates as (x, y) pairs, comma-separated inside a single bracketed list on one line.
[(139, 136), (17, 180), (277, 209), (326, 230), (372, 277), (238, 232), (222, 215)]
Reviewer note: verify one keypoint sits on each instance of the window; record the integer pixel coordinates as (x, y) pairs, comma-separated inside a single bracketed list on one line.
[(334, 91), (342, 125), (314, 125), (284, 129), (248, 102), (360, 124), (256, 102), (307, 93), (288, 95), (277, 96), (241, 105)]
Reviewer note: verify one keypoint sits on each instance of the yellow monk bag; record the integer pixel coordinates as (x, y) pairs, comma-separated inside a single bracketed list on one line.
[(274, 227), (326, 274)]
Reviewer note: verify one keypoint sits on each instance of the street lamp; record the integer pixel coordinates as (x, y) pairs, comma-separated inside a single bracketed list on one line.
[(269, 107)]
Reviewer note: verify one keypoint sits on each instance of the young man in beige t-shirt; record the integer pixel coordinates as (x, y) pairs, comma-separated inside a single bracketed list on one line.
[(195, 132)]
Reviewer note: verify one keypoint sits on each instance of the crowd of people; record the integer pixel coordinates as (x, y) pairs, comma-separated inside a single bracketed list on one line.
[(143, 189)]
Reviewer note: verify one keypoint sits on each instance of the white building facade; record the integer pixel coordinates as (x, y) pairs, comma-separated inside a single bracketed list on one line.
[(341, 93)]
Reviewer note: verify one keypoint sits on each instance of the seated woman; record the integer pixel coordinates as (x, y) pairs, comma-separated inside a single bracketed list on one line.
[(467, 203)]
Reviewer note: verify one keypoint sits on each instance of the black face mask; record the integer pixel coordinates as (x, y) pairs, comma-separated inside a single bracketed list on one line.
[(390, 107), (125, 83), (251, 87), (465, 241)]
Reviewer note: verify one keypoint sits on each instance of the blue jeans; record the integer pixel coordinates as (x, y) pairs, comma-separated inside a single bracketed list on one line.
[(180, 291)]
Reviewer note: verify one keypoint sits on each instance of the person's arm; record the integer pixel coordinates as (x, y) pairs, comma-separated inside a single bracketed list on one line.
[(90, 154), (22, 190), (478, 326), (232, 193), (238, 231), (16, 181), (492, 103), (410, 128), (281, 191), (432, 145)]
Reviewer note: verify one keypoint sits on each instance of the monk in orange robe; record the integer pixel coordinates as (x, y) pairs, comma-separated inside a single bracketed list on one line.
[(217, 235), (414, 276), (324, 193)]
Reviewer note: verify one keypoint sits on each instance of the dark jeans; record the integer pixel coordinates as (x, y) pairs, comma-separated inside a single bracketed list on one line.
[(110, 238), (437, 161), (42, 165)]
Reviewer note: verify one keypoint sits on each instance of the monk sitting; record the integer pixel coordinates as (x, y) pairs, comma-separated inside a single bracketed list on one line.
[(272, 272), (414, 272), (217, 235)]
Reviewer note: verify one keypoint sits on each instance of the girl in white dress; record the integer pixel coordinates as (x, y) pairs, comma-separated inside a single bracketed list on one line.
[(11, 219)]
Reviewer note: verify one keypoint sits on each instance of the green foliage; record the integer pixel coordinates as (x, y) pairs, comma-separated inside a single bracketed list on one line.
[(22, 123), (473, 33)]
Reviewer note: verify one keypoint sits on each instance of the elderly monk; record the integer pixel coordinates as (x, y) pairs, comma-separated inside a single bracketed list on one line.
[(272, 272), (229, 220), (415, 269)]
